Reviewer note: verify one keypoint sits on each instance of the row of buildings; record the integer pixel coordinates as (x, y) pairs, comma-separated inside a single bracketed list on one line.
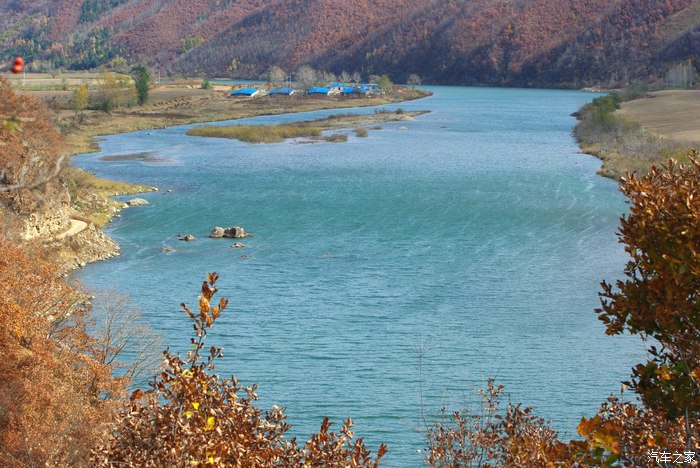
[(335, 89)]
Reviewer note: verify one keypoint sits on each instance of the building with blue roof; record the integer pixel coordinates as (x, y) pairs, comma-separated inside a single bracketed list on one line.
[(246, 92), (281, 92), (319, 91)]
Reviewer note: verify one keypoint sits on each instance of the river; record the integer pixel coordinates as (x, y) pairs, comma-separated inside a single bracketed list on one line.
[(475, 236)]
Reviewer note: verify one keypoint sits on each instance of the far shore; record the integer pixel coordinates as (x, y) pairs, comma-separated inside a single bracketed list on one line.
[(182, 103), (646, 131)]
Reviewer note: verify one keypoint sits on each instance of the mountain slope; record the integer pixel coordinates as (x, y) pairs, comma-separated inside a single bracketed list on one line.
[(502, 42)]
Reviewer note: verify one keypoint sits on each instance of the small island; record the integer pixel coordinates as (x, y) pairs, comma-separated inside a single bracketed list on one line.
[(311, 129)]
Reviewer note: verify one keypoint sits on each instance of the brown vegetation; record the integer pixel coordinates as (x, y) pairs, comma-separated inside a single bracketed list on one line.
[(30, 152), (305, 129), (55, 393), (624, 145)]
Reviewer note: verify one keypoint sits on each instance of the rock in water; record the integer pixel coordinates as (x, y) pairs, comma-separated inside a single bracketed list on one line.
[(238, 245), (188, 237), (137, 202), (237, 232), (217, 232)]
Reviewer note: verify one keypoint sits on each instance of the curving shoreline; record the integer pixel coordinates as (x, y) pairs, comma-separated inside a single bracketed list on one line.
[(92, 200)]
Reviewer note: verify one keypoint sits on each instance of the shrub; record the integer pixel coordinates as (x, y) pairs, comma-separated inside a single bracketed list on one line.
[(336, 138), (192, 417)]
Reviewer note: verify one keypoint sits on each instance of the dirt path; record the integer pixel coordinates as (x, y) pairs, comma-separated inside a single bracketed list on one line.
[(76, 227)]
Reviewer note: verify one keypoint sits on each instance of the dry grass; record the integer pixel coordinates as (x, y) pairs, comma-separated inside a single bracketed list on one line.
[(257, 133), (672, 113), (306, 129)]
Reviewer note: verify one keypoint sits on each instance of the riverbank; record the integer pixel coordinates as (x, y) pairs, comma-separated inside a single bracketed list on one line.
[(91, 199), (634, 135), (172, 105)]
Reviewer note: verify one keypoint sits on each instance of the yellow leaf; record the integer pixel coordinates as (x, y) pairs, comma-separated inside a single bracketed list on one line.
[(210, 423), (188, 414), (195, 405)]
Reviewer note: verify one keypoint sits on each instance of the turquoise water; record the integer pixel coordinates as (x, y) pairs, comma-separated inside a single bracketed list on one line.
[(477, 235)]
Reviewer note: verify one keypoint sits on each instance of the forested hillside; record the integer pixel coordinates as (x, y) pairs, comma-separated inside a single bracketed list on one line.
[(507, 42)]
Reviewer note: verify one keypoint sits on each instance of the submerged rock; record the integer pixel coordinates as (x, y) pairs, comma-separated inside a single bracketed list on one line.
[(238, 245), (188, 237)]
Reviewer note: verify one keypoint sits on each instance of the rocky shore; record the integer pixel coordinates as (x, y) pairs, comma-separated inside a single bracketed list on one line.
[(73, 235)]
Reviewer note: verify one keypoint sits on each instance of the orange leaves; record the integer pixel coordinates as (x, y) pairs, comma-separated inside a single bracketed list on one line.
[(601, 434), (53, 390), (660, 296)]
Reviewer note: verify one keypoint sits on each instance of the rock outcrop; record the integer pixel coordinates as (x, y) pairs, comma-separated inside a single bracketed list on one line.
[(234, 232), (217, 233)]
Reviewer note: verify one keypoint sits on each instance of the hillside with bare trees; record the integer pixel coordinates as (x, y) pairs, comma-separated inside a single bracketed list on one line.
[(510, 42)]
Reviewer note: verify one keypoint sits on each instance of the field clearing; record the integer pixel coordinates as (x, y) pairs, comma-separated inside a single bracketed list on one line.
[(672, 114)]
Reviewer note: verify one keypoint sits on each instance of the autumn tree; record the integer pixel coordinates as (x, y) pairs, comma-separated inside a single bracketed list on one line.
[(306, 75), (660, 297), (413, 80), (108, 88), (30, 153), (81, 97), (55, 394)]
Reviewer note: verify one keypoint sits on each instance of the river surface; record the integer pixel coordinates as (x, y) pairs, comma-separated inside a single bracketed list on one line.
[(475, 236)]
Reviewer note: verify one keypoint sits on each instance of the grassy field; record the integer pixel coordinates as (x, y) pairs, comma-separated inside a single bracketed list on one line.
[(90, 195), (257, 133), (672, 114)]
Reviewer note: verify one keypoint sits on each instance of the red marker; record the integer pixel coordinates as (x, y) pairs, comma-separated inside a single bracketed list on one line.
[(19, 65)]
